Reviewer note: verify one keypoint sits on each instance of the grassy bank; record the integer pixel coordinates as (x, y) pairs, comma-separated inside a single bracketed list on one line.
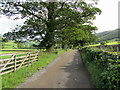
[(12, 80)]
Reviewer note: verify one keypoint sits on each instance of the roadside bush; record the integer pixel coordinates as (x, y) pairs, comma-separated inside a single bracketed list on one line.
[(103, 67), (111, 77)]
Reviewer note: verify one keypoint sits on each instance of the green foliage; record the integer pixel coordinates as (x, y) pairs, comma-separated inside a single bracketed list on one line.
[(103, 43), (111, 77), (103, 67), (4, 40), (79, 35), (46, 19), (12, 80)]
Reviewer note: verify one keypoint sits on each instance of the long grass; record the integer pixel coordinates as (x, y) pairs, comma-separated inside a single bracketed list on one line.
[(12, 80)]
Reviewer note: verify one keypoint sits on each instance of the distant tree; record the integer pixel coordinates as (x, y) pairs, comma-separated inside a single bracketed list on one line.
[(75, 36), (4, 40), (46, 19), (103, 43)]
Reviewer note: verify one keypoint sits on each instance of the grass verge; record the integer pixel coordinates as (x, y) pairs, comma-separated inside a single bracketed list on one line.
[(93, 70), (12, 80)]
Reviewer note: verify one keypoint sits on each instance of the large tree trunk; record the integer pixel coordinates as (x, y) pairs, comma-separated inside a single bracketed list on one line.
[(50, 27), (63, 46), (49, 42), (50, 48)]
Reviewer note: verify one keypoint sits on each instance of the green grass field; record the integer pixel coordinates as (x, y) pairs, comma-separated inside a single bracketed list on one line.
[(3, 51), (12, 80), (110, 43), (9, 44), (113, 43), (13, 51), (12, 45)]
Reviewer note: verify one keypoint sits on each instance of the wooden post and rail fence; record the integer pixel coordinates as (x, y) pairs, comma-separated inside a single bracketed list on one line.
[(16, 62)]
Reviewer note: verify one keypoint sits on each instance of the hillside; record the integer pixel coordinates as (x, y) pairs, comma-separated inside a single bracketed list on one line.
[(0, 36), (0, 39), (12, 45), (112, 35)]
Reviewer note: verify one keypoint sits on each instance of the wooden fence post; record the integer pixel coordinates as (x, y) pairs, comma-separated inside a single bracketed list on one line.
[(17, 62), (14, 62), (37, 55), (29, 58)]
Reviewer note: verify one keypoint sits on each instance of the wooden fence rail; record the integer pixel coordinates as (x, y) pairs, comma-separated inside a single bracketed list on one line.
[(16, 62)]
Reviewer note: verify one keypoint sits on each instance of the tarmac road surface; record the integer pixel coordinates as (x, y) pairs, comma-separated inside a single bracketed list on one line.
[(67, 71)]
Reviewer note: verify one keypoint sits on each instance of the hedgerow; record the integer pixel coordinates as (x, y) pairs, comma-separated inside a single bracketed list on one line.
[(103, 67)]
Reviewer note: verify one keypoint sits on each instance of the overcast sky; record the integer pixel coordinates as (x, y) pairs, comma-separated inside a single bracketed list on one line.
[(108, 20)]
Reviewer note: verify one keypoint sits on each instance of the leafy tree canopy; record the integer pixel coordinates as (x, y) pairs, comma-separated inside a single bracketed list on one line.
[(45, 19), (77, 35)]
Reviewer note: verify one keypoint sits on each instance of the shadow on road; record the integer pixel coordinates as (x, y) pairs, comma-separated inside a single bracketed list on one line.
[(78, 75)]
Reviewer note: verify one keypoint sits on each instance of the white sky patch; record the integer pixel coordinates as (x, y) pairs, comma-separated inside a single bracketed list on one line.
[(108, 20), (8, 24)]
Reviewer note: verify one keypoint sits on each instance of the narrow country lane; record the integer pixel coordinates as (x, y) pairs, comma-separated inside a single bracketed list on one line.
[(67, 71)]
